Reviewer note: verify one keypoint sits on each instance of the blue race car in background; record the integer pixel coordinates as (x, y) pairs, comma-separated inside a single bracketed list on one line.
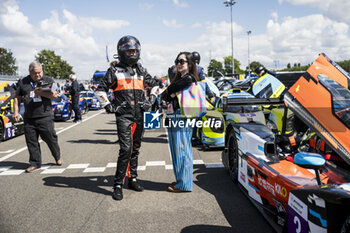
[(92, 101), (62, 107)]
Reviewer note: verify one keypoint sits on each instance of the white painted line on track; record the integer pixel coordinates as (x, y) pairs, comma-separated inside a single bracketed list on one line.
[(13, 153), (141, 168), (155, 163), (5, 152), (76, 166), (94, 169), (52, 171), (168, 167), (198, 162), (40, 141), (5, 168), (43, 167), (214, 165), (11, 172), (112, 165)]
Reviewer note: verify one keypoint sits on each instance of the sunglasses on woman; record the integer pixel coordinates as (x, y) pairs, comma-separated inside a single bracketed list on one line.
[(181, 61)]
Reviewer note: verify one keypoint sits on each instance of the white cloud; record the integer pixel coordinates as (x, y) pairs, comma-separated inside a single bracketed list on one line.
[(288, 40), (177, 3), (274, 16), (71, 37), (301, 39), (88, 24), (12, 21), (292, 40), (172, 24), (334, 9)]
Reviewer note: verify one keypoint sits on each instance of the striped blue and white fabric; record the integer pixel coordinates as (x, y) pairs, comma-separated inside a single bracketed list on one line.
[(181, 152)]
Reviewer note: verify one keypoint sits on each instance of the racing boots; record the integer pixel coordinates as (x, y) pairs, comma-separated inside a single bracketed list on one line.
[(118, 193), (133, 184)]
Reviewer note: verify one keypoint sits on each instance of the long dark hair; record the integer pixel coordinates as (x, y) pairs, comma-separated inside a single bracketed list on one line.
[(191, 65)]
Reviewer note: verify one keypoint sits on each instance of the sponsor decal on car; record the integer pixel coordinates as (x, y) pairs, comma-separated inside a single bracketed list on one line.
[(297, 215), (266, 185), (282, 191), (243, 177)]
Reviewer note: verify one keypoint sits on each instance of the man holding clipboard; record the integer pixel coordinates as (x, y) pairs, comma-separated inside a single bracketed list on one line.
[(36, 92)]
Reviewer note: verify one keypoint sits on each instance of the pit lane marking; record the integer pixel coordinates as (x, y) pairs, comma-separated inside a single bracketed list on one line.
[(40, 141), (5, 152), (52, 169)]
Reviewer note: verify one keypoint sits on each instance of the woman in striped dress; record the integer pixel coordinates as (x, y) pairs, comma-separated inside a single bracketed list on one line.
[(180, 134)]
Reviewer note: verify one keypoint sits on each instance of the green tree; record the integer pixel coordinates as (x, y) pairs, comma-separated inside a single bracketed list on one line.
[(7, 62), (53, 65), (254, 65), (296, 67), (345, 65), (228, 65), (213, 67)]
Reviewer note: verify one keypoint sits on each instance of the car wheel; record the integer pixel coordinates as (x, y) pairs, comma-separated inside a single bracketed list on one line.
[(70, 115), (346, 225), (2, 131), (86, 108), (232, 154)]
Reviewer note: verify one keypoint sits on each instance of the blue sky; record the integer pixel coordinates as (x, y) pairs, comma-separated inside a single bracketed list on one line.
[(290, 31)]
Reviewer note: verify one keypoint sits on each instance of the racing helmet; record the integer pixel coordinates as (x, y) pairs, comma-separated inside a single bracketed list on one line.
[(260, 70), (196, 57), (126, 43)]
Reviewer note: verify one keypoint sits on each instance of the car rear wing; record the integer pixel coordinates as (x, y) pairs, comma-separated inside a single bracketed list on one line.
[(255, 101)]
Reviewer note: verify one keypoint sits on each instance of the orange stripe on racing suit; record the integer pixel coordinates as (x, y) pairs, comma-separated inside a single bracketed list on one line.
[(129, 83)]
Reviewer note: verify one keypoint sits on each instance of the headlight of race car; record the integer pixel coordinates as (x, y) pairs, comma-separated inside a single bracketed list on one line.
[(216, 124)]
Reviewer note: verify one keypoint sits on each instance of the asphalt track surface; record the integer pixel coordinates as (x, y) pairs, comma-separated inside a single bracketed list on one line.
[(76, 197)]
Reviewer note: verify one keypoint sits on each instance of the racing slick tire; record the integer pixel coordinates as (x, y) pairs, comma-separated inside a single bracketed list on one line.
[(70, 112), (2, 131), (86, 108), (232, 155), (346, 225), (204, 146)]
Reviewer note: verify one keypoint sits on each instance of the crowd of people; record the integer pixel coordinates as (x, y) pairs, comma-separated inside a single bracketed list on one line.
[(128, 80)]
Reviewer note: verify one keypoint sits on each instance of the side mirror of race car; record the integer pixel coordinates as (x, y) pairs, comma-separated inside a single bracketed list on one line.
[(310, 161)]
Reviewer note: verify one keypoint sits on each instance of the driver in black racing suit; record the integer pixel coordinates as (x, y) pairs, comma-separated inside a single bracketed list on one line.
[(126, 79)]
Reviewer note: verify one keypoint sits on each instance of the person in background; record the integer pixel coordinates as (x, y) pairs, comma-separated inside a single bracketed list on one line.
[(197, 59), (180, 137), (36, 91), (200, 71), (171, 72), (127, 79), (159, 81), (74, 93), (58, 89)]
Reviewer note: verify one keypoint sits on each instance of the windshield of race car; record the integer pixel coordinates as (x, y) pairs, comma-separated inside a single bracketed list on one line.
[(60, 98), (340, 98)]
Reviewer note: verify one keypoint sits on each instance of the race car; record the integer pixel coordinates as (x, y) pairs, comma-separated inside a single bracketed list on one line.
[(62, 107), (212, 132), (8, 127), (92, 101), (297, 191)]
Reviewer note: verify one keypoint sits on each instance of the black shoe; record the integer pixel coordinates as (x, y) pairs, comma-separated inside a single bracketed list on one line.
[(118, 193), (133, 184)]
